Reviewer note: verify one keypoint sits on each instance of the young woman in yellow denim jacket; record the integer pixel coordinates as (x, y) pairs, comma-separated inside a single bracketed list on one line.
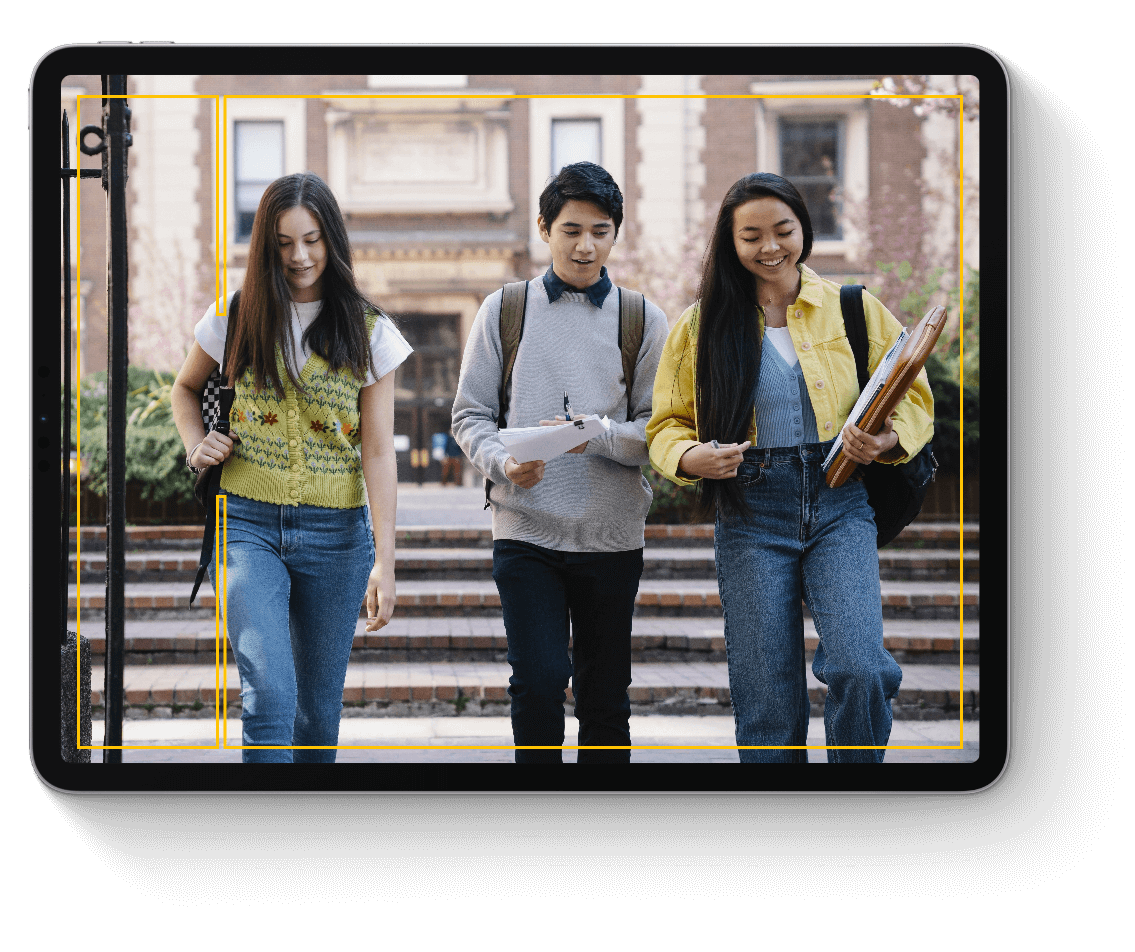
[(781, 535)]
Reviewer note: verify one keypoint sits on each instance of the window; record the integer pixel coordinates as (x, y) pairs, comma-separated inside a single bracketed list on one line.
[(576, 140), (819, 142), (811, 156), (257, 130), (562, 131), (259, 161)]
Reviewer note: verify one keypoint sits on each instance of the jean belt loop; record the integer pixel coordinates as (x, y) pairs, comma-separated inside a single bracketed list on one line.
[(768, 458)]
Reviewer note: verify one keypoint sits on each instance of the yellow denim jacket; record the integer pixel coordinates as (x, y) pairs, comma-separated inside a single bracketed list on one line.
[(816, 324)]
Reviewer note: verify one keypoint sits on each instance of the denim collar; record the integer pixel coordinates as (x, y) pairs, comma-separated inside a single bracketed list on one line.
[(596, 294)]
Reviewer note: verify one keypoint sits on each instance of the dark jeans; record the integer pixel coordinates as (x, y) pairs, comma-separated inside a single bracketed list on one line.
[(541, 590)]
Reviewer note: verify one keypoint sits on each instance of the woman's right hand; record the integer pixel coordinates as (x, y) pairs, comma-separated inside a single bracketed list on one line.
[(215, 448), (708, 463)]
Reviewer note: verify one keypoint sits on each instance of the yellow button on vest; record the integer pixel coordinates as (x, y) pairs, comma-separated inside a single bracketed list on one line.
[(291, 413), (799, 313), (295, 466), (819, 385), (293, 442), (806, 345), (295, 492), (828, 425)]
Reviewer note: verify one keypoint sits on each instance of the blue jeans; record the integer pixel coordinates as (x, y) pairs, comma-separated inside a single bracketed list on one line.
[(542, 590), (297, 577), (803, 541)]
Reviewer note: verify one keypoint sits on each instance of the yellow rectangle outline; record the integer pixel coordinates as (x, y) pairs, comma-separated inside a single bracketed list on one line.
[(221, 255)]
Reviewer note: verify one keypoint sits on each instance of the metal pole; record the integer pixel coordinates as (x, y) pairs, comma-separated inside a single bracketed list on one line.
[(116, 122), (65, 475), (74, 653)]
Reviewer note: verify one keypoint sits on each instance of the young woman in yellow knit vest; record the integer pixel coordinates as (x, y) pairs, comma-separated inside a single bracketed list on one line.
[(311, 448)]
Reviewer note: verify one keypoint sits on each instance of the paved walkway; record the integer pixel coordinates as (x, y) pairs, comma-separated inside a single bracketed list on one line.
[(443, 738)]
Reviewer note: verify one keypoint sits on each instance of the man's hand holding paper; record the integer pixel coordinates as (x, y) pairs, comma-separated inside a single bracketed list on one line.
[(560, 421), (550, 439)]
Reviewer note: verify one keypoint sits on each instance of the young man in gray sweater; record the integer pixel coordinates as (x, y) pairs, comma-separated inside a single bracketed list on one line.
[(568, 534)]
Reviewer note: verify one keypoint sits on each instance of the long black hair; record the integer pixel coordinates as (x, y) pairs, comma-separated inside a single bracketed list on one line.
[(728, 335), (339, 334)]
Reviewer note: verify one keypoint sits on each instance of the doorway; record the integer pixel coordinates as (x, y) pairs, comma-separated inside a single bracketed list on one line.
[(425, 386)]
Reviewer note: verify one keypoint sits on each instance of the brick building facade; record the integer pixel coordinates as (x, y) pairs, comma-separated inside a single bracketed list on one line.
[(438, 178)]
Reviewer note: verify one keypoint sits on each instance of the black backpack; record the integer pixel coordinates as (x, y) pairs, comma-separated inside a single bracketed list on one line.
[(895, 491)]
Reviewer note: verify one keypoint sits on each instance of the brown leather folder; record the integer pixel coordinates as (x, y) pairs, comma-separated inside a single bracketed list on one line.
[(911, 360)]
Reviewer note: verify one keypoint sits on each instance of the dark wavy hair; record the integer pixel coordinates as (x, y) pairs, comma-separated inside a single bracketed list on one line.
[(339, 334), (728, 341), (584, 182)]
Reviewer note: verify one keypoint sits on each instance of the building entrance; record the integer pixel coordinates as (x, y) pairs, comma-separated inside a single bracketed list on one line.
[(425, 386)]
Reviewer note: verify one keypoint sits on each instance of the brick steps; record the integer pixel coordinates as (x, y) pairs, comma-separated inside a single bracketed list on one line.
[(470, 639), (697, 597), (446, 646), (924, 535), (451, 564)]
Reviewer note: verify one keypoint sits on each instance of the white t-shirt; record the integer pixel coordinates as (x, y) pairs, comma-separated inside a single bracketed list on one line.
[(388, 347), (781, 338)]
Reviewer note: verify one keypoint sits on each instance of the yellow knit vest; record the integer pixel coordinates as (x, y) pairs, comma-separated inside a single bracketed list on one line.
[(302, 448)]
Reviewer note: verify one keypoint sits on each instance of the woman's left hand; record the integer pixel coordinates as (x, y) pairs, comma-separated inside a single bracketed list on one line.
[(380, 598), (864, 448)]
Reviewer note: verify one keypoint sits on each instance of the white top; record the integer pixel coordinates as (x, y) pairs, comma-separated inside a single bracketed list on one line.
[(388, 347), (781, 338)]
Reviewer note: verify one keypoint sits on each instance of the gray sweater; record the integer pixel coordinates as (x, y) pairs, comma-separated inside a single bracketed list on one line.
[(595, 501)]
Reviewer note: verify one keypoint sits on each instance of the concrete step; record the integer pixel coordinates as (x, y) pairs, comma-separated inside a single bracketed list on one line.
[(928, 692), (451, 563), (918, 535), (464, 639), (690, 597)]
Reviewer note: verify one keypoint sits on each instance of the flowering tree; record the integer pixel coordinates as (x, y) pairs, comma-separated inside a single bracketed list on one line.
[(667, 274), (168, 297), (903, 90)]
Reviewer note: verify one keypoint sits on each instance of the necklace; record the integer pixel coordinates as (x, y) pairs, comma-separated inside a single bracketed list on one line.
[(791, 299)]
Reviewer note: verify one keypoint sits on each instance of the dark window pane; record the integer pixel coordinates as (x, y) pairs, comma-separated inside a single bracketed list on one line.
[(811, 156)]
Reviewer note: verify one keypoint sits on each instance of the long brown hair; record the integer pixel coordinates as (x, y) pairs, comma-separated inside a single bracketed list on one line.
[(339, 334), (729, 340)]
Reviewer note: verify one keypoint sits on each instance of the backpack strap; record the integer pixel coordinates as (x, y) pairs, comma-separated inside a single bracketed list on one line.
[(632, 319), (213, 479), (234, 308), (513, 302), (855, 326)]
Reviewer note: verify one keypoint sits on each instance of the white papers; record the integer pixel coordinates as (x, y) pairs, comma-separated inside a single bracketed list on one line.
[(526, 443), (874, 385)]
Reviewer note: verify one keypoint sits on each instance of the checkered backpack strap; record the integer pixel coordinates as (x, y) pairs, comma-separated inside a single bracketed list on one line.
[(216, 402), (211, 395)]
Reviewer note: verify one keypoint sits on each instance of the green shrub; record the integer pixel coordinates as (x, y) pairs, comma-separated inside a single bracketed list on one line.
[(944, 368), (673, 504), (947, 420), (155, 456)]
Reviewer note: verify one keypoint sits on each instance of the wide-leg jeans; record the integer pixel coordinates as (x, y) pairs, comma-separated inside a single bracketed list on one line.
[(803, 541), (297, 577), (544, 594)]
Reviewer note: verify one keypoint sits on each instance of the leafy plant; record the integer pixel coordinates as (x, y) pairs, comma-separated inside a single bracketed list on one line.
[(672, 504), (155, 456)]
